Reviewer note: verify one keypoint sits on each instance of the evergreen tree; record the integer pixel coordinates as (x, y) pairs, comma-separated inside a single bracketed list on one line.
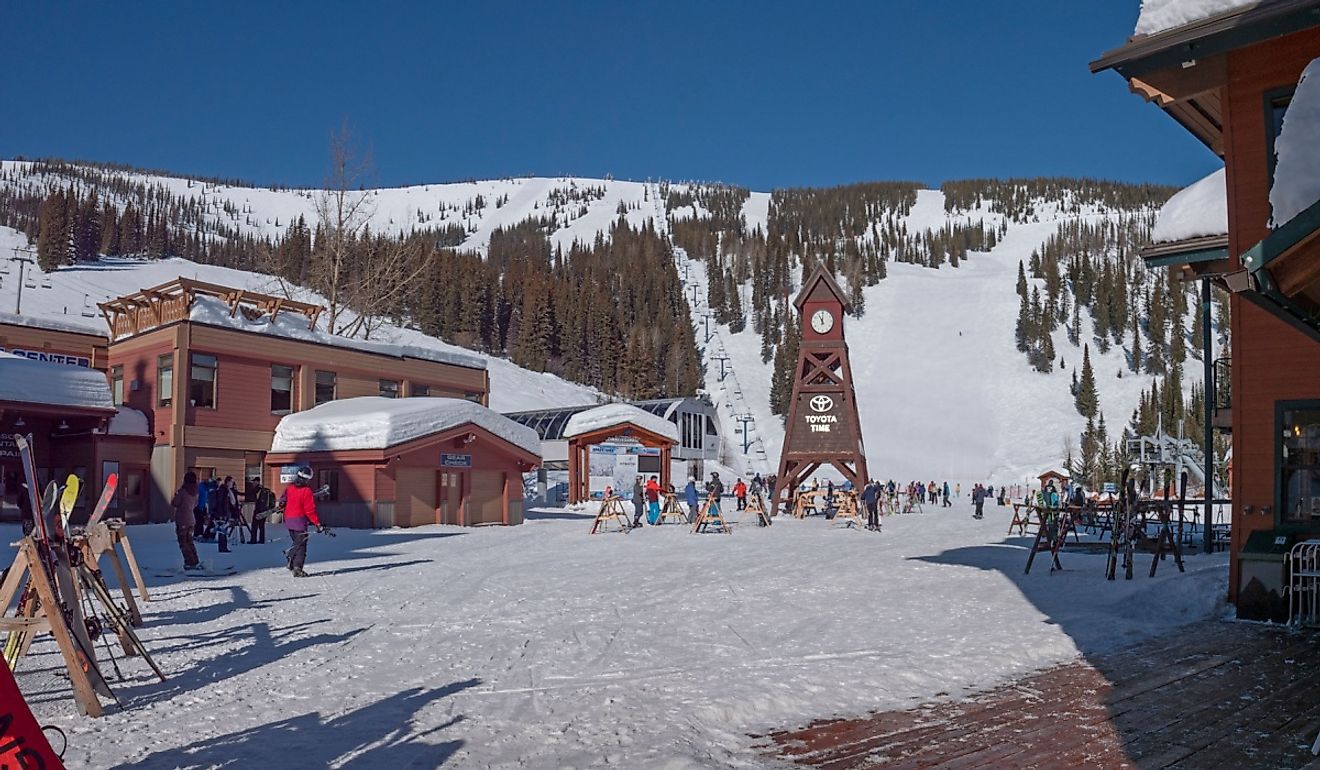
[(53, 229), (1137, 357), (1087, 400)]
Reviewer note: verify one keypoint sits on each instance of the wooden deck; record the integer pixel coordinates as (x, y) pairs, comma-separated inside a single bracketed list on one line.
[(1212, 695)]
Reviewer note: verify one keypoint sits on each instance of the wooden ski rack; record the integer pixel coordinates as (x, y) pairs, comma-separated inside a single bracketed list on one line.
[(755, 505), (847, 511), (1021, 518), (100, 541), (611, 510), (711, 518), (805, 504), (672, 509), (33, 619)]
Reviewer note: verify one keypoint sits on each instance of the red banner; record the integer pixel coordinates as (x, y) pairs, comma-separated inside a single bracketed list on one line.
[(22, 744)]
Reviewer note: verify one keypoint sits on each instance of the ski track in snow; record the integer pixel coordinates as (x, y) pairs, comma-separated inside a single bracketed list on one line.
[(542, 646)]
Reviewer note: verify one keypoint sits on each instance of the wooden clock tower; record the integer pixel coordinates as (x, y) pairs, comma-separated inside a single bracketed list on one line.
[(822, 427)]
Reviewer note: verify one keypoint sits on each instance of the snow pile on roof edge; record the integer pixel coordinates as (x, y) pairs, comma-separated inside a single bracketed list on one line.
[(37, 382), (128, 422), (609, 415), (212, 312), (38, 322), (1163, 15), (1297, 173), (375, 422), (1196, 211)]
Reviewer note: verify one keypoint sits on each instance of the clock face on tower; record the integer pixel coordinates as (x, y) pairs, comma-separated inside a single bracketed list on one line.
[(822, 321)]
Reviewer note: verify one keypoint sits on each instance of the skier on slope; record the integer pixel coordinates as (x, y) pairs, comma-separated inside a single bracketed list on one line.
[(740, 495), (978, 499), (299, 511), (714, 490), (947, 503)]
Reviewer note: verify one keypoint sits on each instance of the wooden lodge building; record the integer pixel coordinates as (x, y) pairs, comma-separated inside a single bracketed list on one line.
[(1233, 81), (198, 377)]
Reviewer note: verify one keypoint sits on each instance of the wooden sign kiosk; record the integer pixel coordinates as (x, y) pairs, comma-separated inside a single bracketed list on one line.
[(822, 427)]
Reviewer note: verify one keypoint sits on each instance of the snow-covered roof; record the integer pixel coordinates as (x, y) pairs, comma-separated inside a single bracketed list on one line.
[(1163, 15), (38, 322), (128, 422), (1297, 173), (375, 422), (33, 382), (610, 415), (214, 312), (1194, 212)]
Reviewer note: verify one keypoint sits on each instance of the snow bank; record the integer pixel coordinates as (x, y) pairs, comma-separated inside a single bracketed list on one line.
[(1162, 15), (1197, 211), (374, 422), (129, 422), (213, 312), (73, 327), (34, 382), (610, 415), (1297, 174)]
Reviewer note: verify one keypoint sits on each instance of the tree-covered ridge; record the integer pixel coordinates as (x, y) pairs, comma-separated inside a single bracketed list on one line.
[(1018, 199)]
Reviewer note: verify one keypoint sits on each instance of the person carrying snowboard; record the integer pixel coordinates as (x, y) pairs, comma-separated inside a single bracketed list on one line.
[(299, 512), (184, 505), (263, 502)]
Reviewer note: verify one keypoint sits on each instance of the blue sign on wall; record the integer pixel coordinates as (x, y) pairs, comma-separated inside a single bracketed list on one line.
[(455, 461)]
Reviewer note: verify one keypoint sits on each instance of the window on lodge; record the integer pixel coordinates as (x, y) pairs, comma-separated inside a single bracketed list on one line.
[(201, 380), (1276, 106), (419, 391), (325, 387), (1299, 463), (281, 389), (165, 380), (330, 479), (389, 388), (117, 384)]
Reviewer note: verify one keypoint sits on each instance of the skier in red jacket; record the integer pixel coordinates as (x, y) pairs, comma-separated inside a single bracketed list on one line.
[(299, 511)]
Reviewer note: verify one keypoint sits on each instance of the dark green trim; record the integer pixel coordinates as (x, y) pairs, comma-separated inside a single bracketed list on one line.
[(1282, 239), (1267, 105), (1280, 307), (1279, 408), (1187, 257), (1209, 37)]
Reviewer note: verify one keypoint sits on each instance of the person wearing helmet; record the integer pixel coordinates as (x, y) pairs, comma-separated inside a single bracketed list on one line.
[(299, 511)]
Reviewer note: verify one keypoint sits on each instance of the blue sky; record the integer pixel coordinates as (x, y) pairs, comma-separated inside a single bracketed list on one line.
[(763, 94)]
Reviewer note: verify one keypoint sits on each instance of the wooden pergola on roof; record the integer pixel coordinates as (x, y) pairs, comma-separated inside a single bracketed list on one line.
[(170, 302)]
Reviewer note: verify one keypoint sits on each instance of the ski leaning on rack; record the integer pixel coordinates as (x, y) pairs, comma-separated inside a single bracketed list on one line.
[(1117, 522)]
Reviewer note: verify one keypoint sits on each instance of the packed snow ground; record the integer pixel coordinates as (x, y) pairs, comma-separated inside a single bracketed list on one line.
[(541, 646)]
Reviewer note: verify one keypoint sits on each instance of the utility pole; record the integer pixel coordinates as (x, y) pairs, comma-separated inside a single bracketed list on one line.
[(705, 317), (693, 287), (722, 358), (744, 419), (28, 260)]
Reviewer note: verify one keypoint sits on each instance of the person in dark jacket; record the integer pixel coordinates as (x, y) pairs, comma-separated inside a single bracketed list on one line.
[(184, 504), (299, 513), (263, 502), (871, 499), (226, 510), (200, 513), (638, 501), (978, 499), (690, 492)]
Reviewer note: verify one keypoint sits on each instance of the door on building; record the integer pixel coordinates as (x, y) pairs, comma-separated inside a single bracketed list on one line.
[(133, 494), (414, 497), (450, 496), (486, 505)]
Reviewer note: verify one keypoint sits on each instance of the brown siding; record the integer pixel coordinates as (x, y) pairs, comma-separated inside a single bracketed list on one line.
[(1271, 361), (90, 346)]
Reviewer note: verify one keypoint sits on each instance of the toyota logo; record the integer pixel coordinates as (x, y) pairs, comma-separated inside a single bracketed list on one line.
[(822, 403)]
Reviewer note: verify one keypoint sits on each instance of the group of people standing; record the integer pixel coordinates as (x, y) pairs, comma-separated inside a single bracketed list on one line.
[(205, 510)]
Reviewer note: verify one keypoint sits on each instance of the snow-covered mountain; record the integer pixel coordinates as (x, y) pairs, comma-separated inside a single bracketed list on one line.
[(944, 393)]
